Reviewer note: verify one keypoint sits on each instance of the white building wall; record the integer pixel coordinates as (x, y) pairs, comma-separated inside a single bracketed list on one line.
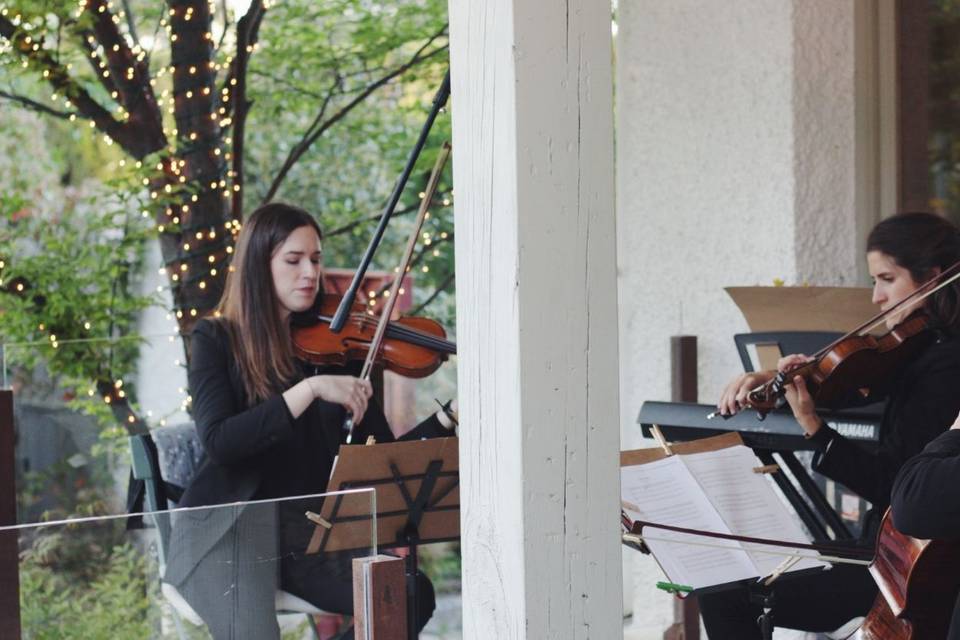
[(735, 166), (161, 372)]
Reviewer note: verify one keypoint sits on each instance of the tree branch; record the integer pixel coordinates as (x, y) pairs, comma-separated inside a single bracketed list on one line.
[(247, 30), (33, 105), (131, 77), (226, 24), (61, 80), (131, 25), (312, 134), (444, 284), (286, 83), (350, 226)]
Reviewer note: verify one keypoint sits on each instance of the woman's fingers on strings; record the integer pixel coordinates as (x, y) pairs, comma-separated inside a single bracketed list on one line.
[(792, 361), (728, 399)]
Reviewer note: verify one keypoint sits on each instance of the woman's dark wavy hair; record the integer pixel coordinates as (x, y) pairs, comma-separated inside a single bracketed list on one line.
[(921, 243), (249, 307)]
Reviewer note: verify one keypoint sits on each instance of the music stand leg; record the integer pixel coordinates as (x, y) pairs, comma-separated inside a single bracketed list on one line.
[(764, 597)]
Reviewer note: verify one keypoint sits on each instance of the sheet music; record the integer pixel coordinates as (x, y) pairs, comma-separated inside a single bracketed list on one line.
[(748, 504), (666, 492)]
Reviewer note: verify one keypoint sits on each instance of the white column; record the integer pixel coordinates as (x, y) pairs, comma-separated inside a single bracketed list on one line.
[(536, 318)]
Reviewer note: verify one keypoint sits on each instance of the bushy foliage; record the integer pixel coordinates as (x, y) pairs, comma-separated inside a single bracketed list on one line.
[(106, 593)]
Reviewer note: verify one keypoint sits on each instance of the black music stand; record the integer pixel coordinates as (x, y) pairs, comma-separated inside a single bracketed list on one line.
[(417, 501)]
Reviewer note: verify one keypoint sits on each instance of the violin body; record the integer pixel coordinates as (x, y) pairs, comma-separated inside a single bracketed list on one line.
[(857, 362), (414, 347), (919, 581)]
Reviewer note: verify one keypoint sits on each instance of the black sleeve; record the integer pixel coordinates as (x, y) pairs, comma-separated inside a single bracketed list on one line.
[(926, 494), (927, 408), (229, 432)]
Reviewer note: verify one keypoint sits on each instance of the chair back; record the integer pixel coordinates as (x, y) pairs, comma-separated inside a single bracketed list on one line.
[(165, 460)]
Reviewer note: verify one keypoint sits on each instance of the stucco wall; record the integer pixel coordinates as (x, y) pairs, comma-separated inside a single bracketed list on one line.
[(735, 166)]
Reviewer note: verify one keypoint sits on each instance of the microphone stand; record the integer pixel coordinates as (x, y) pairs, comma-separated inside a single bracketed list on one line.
[(343, 311)]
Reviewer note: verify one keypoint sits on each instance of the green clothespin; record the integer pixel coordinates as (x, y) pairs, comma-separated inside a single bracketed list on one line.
[(677, 589)]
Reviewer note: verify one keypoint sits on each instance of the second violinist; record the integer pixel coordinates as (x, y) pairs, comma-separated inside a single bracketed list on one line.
[(903, 252)]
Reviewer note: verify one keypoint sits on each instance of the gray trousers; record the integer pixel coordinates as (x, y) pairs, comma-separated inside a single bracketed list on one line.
[(230, 581)]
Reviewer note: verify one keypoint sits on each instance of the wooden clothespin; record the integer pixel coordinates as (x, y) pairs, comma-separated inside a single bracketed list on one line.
[(658, 435), (316, 519), (767, 468), (371, 440), (636, 542), (781, 568)]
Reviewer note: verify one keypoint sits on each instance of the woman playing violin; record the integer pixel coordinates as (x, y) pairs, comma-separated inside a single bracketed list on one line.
[(903, 252), (269, 429)]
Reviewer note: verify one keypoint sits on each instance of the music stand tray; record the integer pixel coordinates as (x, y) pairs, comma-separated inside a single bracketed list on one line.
[(417, 486)]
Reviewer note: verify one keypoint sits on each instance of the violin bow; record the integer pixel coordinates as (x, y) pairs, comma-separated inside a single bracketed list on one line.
[(922, 292), (343, 311), (848, 553), (376, 344)]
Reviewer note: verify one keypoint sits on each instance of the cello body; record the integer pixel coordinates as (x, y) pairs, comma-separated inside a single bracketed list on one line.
[(919, 581)]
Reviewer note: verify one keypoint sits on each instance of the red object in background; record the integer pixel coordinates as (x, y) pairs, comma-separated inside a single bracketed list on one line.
[(328, 625), (338, 281)]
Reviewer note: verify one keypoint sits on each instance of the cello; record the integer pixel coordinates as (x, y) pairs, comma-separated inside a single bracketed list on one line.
[(919, 581)]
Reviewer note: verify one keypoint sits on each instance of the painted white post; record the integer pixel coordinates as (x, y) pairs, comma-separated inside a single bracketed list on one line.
[(536, 318)]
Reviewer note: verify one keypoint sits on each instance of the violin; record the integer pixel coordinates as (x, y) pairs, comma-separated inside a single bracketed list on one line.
[(918, 580), (858, 360), (855, 362), (413, 346)]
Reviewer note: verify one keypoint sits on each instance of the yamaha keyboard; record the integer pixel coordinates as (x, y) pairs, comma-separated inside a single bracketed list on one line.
[(682, 421), (778, 434)]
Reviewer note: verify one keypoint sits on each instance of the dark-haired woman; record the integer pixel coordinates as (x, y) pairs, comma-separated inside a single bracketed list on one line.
[(269, 429), (922, 398)]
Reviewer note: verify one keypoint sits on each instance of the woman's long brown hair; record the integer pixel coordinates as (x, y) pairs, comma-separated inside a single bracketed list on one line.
[(250, 310)]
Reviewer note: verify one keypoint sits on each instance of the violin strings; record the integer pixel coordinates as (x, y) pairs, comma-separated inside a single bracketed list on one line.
[(413, 336)]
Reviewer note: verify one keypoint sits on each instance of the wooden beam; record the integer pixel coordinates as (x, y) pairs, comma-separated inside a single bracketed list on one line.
[(9, 563), (683, 388), (913, 118)]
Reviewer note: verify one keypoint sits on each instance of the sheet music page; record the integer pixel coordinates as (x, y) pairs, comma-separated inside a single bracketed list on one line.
[(748, 504), (665, 492)]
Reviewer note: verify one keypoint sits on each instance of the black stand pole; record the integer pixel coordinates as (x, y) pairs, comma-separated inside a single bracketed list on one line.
[(411, 536), (764, 597), (440, 99), (412, 605)]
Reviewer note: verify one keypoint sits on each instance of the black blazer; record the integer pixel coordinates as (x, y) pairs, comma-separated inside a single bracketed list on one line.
[(923, 400), (262, 451), (255, 453)]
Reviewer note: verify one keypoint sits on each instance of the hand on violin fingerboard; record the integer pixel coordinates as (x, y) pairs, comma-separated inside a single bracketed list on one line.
[(734, 396), (802, 405)]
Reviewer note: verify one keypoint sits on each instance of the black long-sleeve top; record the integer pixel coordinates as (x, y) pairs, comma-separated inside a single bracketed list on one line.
[(923, 400), (925, 502), (926, 494), (263, 452)]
